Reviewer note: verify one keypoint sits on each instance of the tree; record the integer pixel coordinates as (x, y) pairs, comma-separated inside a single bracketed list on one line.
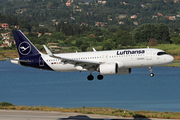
[(84, 46), (50, 5), (78, 43), (152, 42), (123, 38), (58, 36), (176, 40), (157, 31), (23, 24), (108, 44)]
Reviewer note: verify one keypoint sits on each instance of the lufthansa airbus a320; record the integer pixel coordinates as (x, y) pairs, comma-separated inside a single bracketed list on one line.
[(105, 62)]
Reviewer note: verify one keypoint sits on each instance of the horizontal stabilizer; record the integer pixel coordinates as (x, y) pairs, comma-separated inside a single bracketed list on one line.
[(21, 60)]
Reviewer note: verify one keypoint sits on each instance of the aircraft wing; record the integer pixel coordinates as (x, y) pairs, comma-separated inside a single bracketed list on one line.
[(82, 63)]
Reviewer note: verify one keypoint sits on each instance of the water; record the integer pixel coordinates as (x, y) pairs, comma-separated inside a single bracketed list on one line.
[(136, 91)]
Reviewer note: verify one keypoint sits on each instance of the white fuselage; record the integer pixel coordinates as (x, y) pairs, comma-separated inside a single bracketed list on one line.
[(128, 58)]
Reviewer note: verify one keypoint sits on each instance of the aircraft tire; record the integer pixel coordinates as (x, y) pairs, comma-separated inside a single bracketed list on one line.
[(100, 77), (90, 77), (151, 74)]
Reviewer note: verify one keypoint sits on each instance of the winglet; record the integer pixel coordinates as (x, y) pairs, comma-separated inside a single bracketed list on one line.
[(94, 49), (48, 51)]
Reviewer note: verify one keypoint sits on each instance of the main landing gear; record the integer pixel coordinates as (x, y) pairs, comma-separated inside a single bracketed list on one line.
[(100, 77), (150, 70), (91, 77)]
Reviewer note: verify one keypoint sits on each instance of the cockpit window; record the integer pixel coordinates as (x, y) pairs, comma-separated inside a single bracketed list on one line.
[(161, 53)]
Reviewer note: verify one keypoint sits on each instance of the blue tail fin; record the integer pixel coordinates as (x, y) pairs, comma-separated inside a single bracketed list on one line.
[(24, 46)]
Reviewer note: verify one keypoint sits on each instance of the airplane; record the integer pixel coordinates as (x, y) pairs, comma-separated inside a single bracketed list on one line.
[(110, 62)]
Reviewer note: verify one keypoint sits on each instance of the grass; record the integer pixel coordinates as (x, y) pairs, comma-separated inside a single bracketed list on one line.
[(6, 104), (101, 111), (171, 49), (8, 54), (176, 63)]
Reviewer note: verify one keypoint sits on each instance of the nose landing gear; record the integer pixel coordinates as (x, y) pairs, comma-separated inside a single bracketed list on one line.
[(150, 70)]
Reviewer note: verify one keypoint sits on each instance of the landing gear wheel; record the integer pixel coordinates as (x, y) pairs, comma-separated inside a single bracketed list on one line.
[(151, 74), (90, 77), (150, 70), (100, 77)]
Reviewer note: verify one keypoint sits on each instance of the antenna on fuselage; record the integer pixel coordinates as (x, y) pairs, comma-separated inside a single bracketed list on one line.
[(94, 49), (148, 47)]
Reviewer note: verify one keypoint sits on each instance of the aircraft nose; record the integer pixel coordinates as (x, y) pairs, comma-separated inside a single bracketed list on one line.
[(170, 59)]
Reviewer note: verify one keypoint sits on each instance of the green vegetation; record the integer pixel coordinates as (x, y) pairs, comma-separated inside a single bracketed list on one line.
[(8, 54), (101, 111), (169, 48), (176, 63), (145, 32), (83, 38), (2, 104), (64, 22), (44, 11)]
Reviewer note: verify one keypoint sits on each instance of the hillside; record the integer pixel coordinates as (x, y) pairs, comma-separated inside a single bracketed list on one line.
[(76, 25), (122, 14)]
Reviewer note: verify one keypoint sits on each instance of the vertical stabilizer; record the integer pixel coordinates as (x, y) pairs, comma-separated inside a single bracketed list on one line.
[(24, 46)]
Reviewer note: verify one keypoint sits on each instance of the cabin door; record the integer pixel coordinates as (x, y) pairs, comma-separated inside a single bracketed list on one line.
[(41, 61), (148, 55), (104, 58)]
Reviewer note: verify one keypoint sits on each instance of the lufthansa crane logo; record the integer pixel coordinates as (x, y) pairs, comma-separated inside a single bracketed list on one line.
[(24, 48)]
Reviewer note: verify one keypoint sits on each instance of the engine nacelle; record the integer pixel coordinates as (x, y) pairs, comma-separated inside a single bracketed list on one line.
[(124, 71), (108, 69)]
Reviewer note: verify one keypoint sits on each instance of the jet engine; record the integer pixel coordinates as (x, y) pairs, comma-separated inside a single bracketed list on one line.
[(112, 68), (108, 69)]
